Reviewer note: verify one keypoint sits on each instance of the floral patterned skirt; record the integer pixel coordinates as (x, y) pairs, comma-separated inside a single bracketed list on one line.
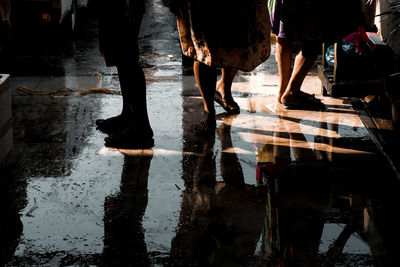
[(226, 33)]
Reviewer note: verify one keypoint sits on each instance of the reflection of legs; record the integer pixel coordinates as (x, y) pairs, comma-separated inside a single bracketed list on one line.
[(206, 78), (124, 236), (335, 251), (193, 243), (304, 152), (205, 167), (231, 170), (281, 148), (224, 91), (305, 232), (10, 224), (212, 229)]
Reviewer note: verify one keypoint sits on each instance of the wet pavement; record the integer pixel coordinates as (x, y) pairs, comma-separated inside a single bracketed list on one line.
[(273, 187)]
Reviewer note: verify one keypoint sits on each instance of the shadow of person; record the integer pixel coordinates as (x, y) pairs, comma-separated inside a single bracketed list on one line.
[(11, 226), (293, 224), (220, 222), (124, 242)]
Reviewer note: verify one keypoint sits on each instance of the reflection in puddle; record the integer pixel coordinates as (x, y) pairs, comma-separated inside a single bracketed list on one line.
[(69, 210), (309, 195), (354, 245)]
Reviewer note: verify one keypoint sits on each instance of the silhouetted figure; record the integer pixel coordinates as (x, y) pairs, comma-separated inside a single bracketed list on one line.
[(119, 25), (296, 21), (231, 35), (301, 26)]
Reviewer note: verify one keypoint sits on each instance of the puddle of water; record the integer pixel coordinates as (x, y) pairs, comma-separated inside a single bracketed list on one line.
[(354, 245)]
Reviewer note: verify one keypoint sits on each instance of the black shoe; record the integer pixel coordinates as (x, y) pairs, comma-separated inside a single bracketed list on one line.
[(131, 138), (113, 125)]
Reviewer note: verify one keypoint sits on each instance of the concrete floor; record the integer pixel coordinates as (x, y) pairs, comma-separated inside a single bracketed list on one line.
[(69, 200)]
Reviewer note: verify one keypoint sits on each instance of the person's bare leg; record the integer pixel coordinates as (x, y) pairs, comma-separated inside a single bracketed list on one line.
[(224, 87), (284, 50), (302, 66), (206, 79)]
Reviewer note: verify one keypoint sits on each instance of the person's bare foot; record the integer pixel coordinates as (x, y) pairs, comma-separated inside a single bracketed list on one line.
[(279, 99), (301, 100), (226, 102), (290, 100)]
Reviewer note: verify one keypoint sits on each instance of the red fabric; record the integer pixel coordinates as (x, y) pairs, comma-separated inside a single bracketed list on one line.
[(360, 40)]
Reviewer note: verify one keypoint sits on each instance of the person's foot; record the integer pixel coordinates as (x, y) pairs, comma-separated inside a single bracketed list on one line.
[(112, 125), (302, 100), (228, 104), (132, 137), (279, 98)]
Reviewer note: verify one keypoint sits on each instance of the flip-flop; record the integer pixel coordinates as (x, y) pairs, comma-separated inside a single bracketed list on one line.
[(307, 102), (232, 108)]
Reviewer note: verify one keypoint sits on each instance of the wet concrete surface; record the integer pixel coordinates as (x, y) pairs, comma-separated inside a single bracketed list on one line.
[(273, 187)]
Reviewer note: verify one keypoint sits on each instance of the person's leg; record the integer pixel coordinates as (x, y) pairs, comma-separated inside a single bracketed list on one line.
[(284, 50), (133, 88), (138, 132), (121, 49), (302, 66), (206, 79), (293, 97), (224, 85), (224, 90)]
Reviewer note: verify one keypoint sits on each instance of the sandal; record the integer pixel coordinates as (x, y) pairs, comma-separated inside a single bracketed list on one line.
[(232, 107), (306, 102)]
